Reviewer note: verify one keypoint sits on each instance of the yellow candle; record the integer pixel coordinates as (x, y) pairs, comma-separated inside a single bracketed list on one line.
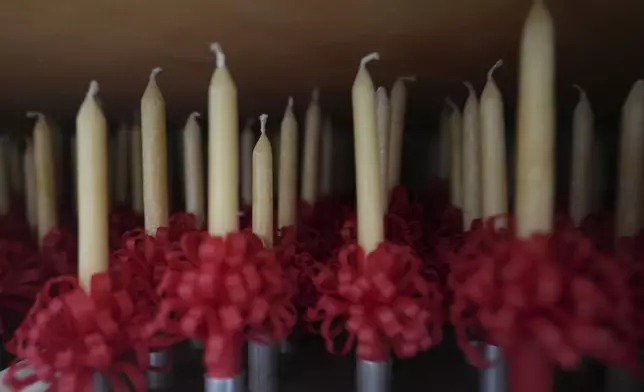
[(91, 139), (155, 171), (311, 155), (45, 180), (31, 201), (223, 151), (287, 196), (5, 192), (471, 159), (136, 169), (493, 160), (456, 156), (536, 124), (631, 164), (444, 143), (582, 147), (193, 174), (382, 118), (121, 164), (396, 130), (247, 144), (326, 177), (263, 187), (365, 133), (111, 167), (75, 172)]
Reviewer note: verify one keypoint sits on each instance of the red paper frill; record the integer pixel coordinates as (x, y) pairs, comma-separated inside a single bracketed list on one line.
[(69, 336), (299, 268), (235, 286), (630, 254), (381, 301), (554, 291)]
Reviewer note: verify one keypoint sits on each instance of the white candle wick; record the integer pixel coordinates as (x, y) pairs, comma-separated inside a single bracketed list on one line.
[(582, 92), (368, 58), (93, 89), (470, 88), (451, 103), (153, 74), (289, 105), (494, 67), (195, 114), (219, 54), (262, 121), (33, 114), (315, 96), (410, 78)]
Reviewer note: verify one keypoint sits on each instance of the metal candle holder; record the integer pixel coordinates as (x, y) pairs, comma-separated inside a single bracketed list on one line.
[(235, 384), (373, 376), (262, 367), (493, 378), (159, 380)]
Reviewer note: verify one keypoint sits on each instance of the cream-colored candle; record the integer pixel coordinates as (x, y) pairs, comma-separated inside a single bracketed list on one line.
[(247, 144), (582, 147), (536, 124), (121, 164), (456, 155), (396, 129), (74, 164), (91, 142), (263, 187), (365, 133), (287, 179), (631, 164), (15, 169), (31, 201), (5, 186), (136, 169), (223, 150), (444, 143), (471, 159), (193, 174), (154, 154), (326, 176), (311, 153), (382, 119), (58, 148), (493, 157), (111, 167), (45, 179)]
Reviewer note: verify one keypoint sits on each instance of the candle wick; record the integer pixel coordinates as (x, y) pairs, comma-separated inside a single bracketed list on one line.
[(368, 58), (219, 54), (451, 103), (33, 114), (195, 114), (582, 92), (153, 74), (410, 78), (470, 88), (93, 89), (315, 96), (289, 105), (494, 67), (262, 121)]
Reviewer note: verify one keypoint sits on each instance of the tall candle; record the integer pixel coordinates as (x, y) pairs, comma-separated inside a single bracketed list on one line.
[(247, 144), (444, 143), (15, 168), (136, 169), (111, 167), (91, 140), (74, 172), (57, 149), (536, 124), (631, 164), (396, 130), (582, 147), (326, 176), (223, 150), (31, 201), (382, 119), (45, 179), (287, 179), (471, 159), (154, 154), (365, 133), (456, 155), (5, 186), (193, 174), (493, 157), (311, 155), (121, 169), (263, 187)]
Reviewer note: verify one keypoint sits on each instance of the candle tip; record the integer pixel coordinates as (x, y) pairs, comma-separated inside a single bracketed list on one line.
[(470, 88), (368, 58), (582, 92), (315, 95), (496, 65), (262, 121), (289, 105), (195, 115), (33, 114), (215, 47), (93, 89), (409, 78)]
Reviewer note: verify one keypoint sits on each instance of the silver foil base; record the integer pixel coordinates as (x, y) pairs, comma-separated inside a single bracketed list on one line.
[(262, 367), (100, 384), (620, 380), (373, 376), (236, 384), (493, 378), (160, 380)]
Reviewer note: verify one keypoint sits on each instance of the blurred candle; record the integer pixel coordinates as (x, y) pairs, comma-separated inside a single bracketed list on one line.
[(31, 201), (444, 143), (223, 150), (74, 194), (471, 159), (493, 159), (582, 148), (247, 143), (311, 153), (193, 169), (5, 191), (121, 164), (326, 176), (15, 168), (382, 119), (91, 143), (45, 180), (365, 133), (136, 169), (456, 155), (287, 196), (396, 129), (536, 124), (154, 154), (263, 187)]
